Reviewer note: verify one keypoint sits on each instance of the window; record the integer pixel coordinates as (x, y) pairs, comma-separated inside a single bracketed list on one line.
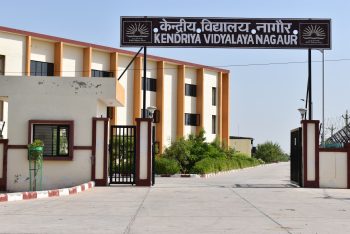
[(57, 137), (213, 97), (97, 73), (213, 124), (151, 84), (41, 68), (110, 112), (192, 119), (191, 90), (2, 64)]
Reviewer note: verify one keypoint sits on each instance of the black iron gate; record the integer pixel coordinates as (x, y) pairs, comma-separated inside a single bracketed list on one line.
[(122, 154), (296, 156)]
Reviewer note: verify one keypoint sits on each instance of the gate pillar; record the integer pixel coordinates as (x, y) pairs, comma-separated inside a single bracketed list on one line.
[(143, 152), (310, 150)]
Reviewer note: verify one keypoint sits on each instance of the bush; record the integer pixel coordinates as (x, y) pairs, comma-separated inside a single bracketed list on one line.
[(166, 166), (270, 152), (210, 165)]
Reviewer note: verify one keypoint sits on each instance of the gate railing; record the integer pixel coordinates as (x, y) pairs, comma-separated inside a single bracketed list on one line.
[(122, 154)]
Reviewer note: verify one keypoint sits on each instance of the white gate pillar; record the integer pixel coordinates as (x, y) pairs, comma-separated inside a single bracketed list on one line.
[(144, 151), (310, 146)]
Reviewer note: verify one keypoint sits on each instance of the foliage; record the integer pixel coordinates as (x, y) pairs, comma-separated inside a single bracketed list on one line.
[(166, 166), (270, 152), (195, 155), (35, 150), (210, 165), (36, 143)]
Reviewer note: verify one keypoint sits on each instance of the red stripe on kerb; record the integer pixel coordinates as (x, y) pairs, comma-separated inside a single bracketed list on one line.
[(54, 193), (72, 190), (3, 198), (29, 195)]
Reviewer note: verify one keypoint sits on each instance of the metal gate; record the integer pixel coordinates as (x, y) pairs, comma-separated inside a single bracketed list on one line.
[(122, 154), (296, 156)]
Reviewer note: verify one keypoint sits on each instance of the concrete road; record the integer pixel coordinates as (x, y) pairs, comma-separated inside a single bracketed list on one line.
[(253, 200)]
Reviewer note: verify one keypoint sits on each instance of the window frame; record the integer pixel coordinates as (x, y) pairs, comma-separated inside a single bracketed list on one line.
[(101, 73), (50, 67), (213, 124), (191, 90), (69, 123), (213, 97), (2, 60), (192, 120), (151, 84)]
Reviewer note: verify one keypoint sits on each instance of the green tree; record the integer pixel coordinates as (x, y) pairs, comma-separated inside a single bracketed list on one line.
[(270, 152)]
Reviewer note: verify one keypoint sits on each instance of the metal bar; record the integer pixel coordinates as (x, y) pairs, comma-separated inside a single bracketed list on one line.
[(134, 155), (118, 154), (310, 84), (128, 154), (144, 81), (132, 60), (123, 177)]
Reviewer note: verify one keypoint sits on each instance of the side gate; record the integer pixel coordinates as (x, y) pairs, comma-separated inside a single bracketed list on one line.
[(122, 154), (296, 156)]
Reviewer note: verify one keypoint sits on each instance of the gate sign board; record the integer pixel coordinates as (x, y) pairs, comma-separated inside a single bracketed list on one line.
[(226, 32)]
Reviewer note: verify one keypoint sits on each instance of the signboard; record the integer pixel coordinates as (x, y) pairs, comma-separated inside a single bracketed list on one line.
[(225, 32)]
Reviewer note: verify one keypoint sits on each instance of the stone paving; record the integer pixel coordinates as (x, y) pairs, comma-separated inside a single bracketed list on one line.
[(253, 200)]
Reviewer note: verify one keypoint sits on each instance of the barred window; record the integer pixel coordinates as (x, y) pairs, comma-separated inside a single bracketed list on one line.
[(191, 90), (99, 73), (192, 119), (38, 68)]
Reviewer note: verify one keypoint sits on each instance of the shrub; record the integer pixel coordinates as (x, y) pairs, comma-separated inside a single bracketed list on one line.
[(270, 152), (210, 165), (166, 166)]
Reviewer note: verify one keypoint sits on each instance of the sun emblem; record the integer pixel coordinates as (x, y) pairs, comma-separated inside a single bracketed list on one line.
[(314, 32), (137, 29)]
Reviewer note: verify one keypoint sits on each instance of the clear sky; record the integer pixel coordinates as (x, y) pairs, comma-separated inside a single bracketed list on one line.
[(264, 99)]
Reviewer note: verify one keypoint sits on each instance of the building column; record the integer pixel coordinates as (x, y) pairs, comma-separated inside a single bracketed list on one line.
[(200, 99), (225, 108), (28, 52), (180, 132), (219, 106), (160, 104), (87, 62), (58, 59), (114, 69), (137, 88)]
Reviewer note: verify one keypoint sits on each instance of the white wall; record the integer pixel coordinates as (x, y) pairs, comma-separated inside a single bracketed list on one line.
[(210, 81), (333, 169), (190, 102), (311, 152), (52, 98), (124, 114), (42, 51), (14, 48), (5, 118), (100, 60), (170, 103), (1, 159), (72, 64)]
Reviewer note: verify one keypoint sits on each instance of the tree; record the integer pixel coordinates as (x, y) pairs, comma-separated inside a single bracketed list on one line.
[(270, 152)]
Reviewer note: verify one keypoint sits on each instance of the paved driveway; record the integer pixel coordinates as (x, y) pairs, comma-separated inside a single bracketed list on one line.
[(254, 200)]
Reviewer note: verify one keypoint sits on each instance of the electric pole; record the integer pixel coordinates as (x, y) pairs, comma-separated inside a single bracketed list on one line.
[(332, 128)]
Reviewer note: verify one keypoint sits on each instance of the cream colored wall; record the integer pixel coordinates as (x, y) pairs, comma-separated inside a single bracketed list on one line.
[(210, 81), (42, 51), (333, 169), (170, 103), (72, 62), (13, 47), (52, 98), (124, 114), (190, 102), (100, 60), (241, 145)]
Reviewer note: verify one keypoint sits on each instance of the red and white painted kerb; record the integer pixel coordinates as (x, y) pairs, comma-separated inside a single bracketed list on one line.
[(45, 194)]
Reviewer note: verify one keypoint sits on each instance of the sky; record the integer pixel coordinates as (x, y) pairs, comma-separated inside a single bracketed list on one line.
[(263, 98)]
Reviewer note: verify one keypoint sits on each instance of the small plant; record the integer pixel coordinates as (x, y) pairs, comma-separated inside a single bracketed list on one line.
[(36, 150), (166, 166)]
